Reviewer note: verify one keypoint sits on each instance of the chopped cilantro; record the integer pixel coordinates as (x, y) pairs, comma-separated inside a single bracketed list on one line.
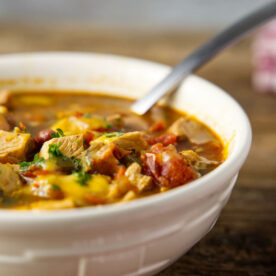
[(111, 135), (37, 159), (55, 187), (107, 126), (83, 178), (8, 201), (57, 134), (87, 115), (54, 135), (77, 163), (62, 160), (24, 166), (131, 158), (55, 152), (23, 127)]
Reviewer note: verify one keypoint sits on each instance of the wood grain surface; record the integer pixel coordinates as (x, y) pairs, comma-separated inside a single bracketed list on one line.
[(243, 242)]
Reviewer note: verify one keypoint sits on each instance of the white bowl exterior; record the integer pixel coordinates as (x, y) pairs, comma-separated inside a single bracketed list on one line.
[(140, 237)]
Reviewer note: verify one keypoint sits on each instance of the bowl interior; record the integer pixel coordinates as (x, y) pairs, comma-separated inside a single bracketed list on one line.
[(128, 77), (120, 76)]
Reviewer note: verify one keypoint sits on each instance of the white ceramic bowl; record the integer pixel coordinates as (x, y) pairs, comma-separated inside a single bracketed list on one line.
[(141, 237)]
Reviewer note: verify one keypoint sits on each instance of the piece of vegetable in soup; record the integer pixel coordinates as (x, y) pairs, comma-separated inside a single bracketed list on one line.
[(69, 150)]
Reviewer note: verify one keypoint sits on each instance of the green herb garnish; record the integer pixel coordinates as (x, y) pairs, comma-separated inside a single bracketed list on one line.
[(108, 126), (77, 163), (8, 201), (83, 177), (62, 160), (87, 115), (129, 159), (57, 134), (24, 166), (111, 135), (55, 187), (55, 152)]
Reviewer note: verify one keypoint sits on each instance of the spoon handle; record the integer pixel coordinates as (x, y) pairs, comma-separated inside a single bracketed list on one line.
[(201, 55)]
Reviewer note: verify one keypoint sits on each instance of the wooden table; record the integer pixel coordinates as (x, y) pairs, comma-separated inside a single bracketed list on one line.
[(243, 242)]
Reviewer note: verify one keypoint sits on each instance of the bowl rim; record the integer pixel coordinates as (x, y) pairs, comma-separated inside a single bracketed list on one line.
[(227, 169)]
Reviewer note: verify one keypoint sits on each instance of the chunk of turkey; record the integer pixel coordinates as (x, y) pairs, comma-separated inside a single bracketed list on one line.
[(130, 140), (13, 146), (140, 181), (200, 163), (69, 145), (196, 133), (9, 179)]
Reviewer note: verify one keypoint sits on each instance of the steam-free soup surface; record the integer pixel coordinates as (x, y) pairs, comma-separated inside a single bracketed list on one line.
[(68, 150)]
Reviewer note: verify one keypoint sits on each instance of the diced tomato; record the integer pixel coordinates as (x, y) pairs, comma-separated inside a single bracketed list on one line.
[(37, 118), (120, 172), (158, 126), (94, 199), (22, 126), (166, 166), (28, 174), (108, 128), (88, 137), (36, 185), (41, 172), (101, 129), (157, 148), (120, 153), (165, 139), (79, 114)]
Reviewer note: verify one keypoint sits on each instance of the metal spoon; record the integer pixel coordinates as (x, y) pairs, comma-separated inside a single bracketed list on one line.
[(201, 55)]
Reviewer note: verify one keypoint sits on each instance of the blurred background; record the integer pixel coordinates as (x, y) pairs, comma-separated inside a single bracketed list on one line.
[(243, 241), (129, 14)]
